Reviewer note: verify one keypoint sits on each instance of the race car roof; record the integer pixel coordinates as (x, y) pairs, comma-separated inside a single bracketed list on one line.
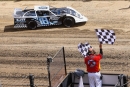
[(41, 7)]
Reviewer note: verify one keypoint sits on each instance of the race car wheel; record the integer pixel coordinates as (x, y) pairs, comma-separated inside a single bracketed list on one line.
[(68, 22), (32, 25)]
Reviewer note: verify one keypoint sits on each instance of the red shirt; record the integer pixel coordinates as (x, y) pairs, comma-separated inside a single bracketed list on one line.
[(93, 62)]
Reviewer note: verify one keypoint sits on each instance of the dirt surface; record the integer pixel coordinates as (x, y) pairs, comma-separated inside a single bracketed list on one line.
[(24, 51)]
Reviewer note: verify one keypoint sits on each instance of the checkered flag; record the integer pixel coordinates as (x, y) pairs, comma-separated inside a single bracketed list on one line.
[(105, 36), (83, 48)]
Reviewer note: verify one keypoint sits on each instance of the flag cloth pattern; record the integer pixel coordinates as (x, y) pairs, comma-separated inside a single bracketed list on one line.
[(105, 36), (83, 48)]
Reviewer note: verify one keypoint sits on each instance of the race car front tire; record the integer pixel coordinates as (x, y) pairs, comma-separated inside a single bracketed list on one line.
[(68, 22), (32, 25)]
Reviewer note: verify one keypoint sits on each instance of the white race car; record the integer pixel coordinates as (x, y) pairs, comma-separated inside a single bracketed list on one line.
[(46, 16)]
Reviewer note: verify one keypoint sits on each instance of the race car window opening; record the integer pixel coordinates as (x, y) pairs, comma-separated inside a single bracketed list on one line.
[(30, 13), (43, 13)]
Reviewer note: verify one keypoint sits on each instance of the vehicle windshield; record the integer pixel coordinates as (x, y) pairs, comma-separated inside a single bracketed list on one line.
[(58, 11), (61, 11), (72, 12)]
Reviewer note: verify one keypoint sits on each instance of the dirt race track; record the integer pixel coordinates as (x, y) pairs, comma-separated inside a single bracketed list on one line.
[(24, 51)]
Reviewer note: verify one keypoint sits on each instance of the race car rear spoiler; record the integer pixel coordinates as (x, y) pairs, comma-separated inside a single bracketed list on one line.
[(17, 12)]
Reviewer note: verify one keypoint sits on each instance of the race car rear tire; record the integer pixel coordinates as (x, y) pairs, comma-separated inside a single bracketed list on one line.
[(68, 22), (32, 25)]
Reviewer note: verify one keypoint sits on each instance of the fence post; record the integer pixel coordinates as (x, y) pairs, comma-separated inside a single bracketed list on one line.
[(31, 78), (49, 60), (64, 61)]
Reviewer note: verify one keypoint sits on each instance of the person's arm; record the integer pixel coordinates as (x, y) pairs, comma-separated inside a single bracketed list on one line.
[(100, 46)]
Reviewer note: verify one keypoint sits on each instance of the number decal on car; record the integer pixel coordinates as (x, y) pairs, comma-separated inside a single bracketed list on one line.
[(43, 21)]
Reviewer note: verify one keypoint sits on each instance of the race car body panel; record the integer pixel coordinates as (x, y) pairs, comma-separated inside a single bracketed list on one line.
[(46, 16)]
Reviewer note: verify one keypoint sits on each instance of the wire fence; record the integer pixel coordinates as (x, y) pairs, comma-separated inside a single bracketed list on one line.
[(57, 68)]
